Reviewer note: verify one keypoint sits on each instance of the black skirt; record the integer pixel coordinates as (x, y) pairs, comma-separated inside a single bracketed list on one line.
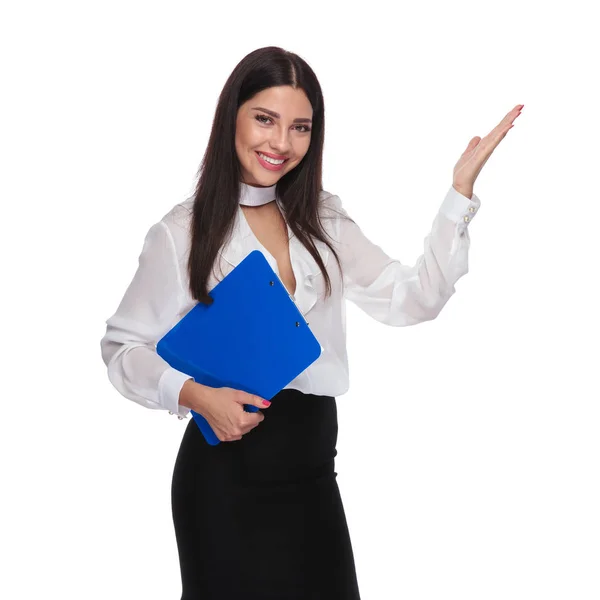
[(261, 518)]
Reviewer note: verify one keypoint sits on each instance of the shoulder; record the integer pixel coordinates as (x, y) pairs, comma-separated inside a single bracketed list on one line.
[(175, 225), (331, 209), (331, 213), (329, 204), (178, 218)]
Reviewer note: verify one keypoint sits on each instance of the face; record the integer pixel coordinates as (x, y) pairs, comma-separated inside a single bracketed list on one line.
[(277, 123)]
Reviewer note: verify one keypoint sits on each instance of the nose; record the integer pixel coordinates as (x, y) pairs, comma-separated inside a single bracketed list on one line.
[(280, 141)]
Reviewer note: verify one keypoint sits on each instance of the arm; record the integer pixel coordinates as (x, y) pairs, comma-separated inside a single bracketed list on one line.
[(147, 311), (401, 295)]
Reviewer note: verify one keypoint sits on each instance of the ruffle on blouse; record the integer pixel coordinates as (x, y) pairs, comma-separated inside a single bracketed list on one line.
[(305, 267), (306, 271)]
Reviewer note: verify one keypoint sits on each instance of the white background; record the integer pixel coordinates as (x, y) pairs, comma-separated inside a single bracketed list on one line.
[(468, 446)]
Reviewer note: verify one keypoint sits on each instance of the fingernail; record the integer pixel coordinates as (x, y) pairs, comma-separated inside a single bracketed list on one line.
[(266, 403)]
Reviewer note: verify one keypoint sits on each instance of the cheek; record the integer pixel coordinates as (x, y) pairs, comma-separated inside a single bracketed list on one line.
[(256, 136), (302, 148), (247, 138)]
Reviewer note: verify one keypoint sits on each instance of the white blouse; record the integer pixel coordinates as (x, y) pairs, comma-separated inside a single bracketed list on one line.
[(389, 291)]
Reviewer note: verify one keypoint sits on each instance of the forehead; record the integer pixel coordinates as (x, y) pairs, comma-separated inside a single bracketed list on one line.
[(283, 99)]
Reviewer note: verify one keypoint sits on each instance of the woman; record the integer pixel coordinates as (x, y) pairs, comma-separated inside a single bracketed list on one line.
[(259, 516)]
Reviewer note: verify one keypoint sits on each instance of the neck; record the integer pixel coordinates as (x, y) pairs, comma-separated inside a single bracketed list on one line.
[(251, 195)]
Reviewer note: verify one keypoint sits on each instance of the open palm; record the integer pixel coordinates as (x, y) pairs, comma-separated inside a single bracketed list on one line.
[(479, 150)]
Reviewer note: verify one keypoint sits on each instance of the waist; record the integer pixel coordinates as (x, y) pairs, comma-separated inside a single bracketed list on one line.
[(291, 402), (298, 430), (295, 441)]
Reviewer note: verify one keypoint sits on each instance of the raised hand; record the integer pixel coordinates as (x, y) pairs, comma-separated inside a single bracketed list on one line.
[(478, 151)]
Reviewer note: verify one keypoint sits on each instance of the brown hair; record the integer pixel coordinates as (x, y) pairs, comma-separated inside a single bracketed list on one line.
[(216, 196)]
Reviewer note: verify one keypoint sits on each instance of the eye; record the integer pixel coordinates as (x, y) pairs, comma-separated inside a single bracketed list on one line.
[(260, 118)]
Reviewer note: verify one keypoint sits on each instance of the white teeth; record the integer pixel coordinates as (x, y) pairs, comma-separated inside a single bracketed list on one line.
[(270, 160)]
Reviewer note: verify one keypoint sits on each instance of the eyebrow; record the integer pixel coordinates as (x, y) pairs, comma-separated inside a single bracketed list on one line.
[(277, 115)]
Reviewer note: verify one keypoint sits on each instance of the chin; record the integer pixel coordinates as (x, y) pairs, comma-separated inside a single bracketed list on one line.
[(268, 179)]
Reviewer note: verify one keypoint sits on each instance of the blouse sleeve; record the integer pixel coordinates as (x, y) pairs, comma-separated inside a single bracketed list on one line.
[(147, 311), (397, 294)]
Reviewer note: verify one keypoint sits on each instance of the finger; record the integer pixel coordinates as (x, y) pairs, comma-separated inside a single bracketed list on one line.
[(257, 418), (512, 114), (508, 119), (251, 420), (487, 145), (471, 145), (491, 141), (255, 400), (222, 435), (500, 135)]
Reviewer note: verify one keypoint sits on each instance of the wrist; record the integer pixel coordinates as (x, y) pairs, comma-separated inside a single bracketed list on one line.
[(465, 191), (194, 395)]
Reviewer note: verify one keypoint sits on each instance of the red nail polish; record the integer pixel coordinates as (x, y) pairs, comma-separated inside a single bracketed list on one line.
[(266, 403)]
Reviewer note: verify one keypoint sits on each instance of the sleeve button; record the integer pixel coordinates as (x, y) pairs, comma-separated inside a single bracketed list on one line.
[(467, 218), (471, 209)]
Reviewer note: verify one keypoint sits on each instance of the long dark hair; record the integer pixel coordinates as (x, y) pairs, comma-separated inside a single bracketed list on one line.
[(216, 197)]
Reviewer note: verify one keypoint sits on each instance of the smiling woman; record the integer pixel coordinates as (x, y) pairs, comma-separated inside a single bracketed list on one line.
[(272, 494), (260, 516)]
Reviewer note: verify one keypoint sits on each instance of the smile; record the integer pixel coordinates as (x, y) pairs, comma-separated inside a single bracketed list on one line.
[(271, 160), (270, 164)]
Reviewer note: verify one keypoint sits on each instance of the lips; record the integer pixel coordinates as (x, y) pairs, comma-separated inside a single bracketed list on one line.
[(275, 156), (269, 166)]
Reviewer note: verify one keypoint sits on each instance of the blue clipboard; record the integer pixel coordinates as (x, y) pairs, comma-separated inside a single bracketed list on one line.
[(252, 337)]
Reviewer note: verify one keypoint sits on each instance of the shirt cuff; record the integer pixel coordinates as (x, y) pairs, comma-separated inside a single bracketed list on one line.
[(169, 388), (458, 208)]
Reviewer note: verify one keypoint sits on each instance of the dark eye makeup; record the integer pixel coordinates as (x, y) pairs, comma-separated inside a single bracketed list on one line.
[(259, 117)]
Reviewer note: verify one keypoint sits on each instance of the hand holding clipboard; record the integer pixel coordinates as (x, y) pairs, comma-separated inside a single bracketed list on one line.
[(251, 338)]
